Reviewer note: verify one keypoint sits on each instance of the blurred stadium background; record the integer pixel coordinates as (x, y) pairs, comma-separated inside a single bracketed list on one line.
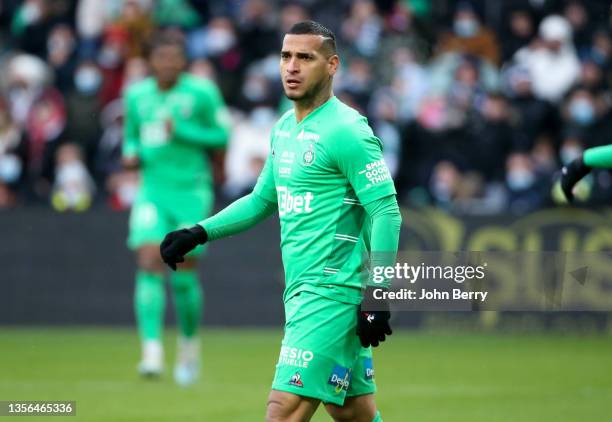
[(478, 103)]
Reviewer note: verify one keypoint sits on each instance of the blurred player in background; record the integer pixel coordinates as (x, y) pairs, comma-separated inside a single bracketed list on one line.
[(172, 121), (571, 174), (326, 177)]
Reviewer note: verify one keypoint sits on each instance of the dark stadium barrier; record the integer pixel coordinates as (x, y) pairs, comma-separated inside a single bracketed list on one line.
[(76, 269)]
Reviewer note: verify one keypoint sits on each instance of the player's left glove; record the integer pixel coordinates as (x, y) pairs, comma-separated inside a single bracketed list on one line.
[(372, 326), (572, 174), (178, 243)]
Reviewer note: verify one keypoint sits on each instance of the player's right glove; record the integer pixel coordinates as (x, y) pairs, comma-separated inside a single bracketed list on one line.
[(372, 326), (178, 243), (571, 174)]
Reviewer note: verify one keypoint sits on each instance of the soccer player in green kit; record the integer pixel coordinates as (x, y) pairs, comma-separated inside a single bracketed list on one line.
[(596, 157), (326, 178), (171, 120)]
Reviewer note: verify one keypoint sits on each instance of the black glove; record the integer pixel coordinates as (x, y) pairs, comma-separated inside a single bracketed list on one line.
[(372, 326), (178, 243), (572, 174)]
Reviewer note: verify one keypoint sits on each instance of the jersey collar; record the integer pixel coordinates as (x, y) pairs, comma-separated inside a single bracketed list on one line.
[(331, 99)]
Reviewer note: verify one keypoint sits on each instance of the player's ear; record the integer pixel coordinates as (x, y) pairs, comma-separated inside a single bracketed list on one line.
[(332, 64)]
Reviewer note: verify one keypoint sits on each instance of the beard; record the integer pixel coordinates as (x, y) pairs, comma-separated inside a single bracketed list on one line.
[(309, 94)]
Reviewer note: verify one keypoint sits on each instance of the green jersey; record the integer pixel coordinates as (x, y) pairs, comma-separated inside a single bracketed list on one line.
[(174, 159), (320, 172)]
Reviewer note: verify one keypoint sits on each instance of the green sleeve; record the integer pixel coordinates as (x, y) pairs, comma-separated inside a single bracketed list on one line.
[(599, 157), (265, 186), (386, 222), (210, 125), (130, 128), (239, 216), (358, 155)]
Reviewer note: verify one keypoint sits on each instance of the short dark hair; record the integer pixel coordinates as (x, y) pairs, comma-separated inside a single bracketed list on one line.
[(315, 28), (167, 38)]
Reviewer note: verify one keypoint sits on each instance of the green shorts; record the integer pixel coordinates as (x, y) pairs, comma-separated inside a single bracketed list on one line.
[(155, 213), (321, 356)]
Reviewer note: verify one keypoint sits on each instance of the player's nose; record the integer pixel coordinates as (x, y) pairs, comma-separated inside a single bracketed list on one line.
[(292, 66)]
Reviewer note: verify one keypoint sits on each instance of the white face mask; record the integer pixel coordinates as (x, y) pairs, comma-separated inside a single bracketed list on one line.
[(73, 185), (569, 153), (465, 28), (219, 40), (87, 80), (520, 179), (10, 168), (72, 172), (254, 89), (582, 111)]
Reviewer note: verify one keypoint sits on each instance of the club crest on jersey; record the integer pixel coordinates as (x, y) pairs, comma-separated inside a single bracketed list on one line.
[(296, 380), (340, 378), (308, 157)]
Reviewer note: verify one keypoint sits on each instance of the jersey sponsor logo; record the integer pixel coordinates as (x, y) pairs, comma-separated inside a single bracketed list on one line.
[(340, 378), (282, 133), (307, 136), (296, 380), (369, 369), (153, 134), (376, 172), (287, 157), (289, 203), (294, 356)]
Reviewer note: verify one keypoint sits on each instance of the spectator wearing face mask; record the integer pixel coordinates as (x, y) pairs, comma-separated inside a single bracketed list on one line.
[(61, 55), (533, 116), (527, 191), (31, 26), (578, 17), (257, 30), (219, 43), (83, 108), (38, 109), (121, 185), (12, 157), (247, 151), (585, 112), (519, 32), (551, 59), (357, 82), (600, 49), (73, 188), (491, 137), (362, 30), (111, 60), (470, 36)]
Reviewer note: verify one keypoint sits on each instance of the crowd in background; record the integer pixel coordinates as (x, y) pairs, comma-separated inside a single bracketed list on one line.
[(477, 103)]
